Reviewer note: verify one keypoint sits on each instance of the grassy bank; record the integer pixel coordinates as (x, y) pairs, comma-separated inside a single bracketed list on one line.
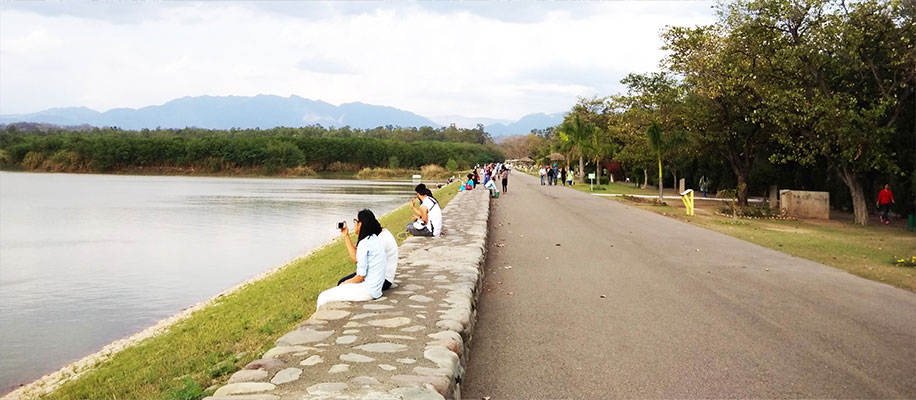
[(433, 172), (616, 188), (206, 348), (869, 251)]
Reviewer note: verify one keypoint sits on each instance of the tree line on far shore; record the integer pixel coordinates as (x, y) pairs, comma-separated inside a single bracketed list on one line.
[(809, 94), (271, 151)]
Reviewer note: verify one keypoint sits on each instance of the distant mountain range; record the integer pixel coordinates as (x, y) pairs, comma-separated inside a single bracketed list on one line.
[(266, 111)]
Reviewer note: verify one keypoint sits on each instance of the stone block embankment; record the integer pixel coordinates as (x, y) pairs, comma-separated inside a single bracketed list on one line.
[(409, 344), (805, 204)]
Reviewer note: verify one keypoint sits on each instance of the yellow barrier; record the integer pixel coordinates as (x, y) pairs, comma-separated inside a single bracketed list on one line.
[(687, 198)]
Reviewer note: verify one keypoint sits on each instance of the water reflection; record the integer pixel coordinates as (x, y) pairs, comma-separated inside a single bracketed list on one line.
[(88, 259)]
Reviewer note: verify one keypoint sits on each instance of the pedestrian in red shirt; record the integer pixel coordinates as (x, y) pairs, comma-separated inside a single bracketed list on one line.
[(885, 198)]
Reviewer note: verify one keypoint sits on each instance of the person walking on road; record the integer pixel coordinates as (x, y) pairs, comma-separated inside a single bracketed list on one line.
[(885, 199), (505, 176), (543, 174)]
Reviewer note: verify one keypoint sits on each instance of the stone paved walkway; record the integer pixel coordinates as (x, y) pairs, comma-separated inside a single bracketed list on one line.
[(409, 344)]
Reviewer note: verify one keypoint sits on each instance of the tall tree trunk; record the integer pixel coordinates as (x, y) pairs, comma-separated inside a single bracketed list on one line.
[(741, 166), (581, 169), (645, 177), (661, 187), (741, 173), (598, 172), (677, 186), (741, 190), (859, 205)]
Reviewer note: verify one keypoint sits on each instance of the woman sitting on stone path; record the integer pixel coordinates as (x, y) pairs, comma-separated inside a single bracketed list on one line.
[(370, 264), (428, 216), (391, 257)]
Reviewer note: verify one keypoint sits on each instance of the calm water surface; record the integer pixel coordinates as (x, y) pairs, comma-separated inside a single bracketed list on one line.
[(89, 259)]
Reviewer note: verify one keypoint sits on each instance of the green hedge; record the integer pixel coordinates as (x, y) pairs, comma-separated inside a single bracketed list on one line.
[(106, 150)]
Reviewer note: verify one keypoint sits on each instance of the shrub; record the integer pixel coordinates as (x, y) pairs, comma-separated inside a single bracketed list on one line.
[(653, 201), (906, 262), (433, 171), (338, 166), (213, 164), (62, 161), (33, 160), (726, 194), (394, 162), (382, 173), (5, 158), (753, 211), (284, 154), (301, 170), (451, 165)]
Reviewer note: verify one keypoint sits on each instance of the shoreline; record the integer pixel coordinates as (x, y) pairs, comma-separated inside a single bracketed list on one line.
[(51, 381), (194, 173), (76, 371)]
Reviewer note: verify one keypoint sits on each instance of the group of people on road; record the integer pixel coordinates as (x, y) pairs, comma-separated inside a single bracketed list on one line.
[(553, 173), (491, 173), (376, 250)]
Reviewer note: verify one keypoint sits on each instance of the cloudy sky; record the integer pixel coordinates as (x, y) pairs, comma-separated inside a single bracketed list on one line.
[(471, 58)]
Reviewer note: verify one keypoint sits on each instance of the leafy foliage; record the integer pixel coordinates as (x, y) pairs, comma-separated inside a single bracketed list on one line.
[(809, 94), (106, 150)]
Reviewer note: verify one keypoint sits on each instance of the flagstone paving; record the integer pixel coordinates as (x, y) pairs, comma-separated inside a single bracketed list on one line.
[(409, 344)]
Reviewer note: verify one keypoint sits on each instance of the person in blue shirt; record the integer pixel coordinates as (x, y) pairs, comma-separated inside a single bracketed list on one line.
[(371, 263)]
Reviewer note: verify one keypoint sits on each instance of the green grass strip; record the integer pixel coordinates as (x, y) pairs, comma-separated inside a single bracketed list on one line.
[(866, 251), (204, 349), (615, 188)]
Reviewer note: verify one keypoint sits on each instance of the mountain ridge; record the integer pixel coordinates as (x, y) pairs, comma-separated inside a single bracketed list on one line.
[(264, 112)]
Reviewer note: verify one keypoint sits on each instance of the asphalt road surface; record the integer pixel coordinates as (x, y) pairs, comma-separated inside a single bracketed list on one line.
[(604, 300)]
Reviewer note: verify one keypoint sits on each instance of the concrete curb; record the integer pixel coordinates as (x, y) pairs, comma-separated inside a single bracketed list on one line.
[(409, 344)]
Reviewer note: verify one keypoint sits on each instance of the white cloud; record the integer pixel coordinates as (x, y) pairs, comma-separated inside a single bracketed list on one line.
[(459, 58)]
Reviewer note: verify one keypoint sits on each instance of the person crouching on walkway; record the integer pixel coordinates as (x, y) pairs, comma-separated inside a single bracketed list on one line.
[(428, 216), (491, 185), (370, 264), (885, 199)]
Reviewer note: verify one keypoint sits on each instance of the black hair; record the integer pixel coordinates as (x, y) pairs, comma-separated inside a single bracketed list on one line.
[(370, 227), (422, 189)]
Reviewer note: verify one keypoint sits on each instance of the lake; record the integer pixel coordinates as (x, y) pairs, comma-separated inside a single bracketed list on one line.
[(89, 259)]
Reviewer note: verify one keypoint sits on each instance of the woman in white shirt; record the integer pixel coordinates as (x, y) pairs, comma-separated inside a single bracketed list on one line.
[(391, 255), (428, 216), (370, 264)]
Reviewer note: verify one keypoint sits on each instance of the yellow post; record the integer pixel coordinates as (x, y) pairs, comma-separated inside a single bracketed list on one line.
[(691, 203), (687, 198)]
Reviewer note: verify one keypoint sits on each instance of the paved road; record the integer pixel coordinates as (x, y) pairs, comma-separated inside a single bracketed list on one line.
[(686, 312)]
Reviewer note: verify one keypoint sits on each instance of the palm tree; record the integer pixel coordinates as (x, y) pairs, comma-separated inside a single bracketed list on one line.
[(577, 134), (655, 140)]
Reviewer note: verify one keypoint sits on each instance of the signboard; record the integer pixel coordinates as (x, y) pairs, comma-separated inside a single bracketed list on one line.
[(591, 175)]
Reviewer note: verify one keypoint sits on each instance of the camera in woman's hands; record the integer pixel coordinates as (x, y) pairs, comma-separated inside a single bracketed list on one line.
[(341, 224)]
